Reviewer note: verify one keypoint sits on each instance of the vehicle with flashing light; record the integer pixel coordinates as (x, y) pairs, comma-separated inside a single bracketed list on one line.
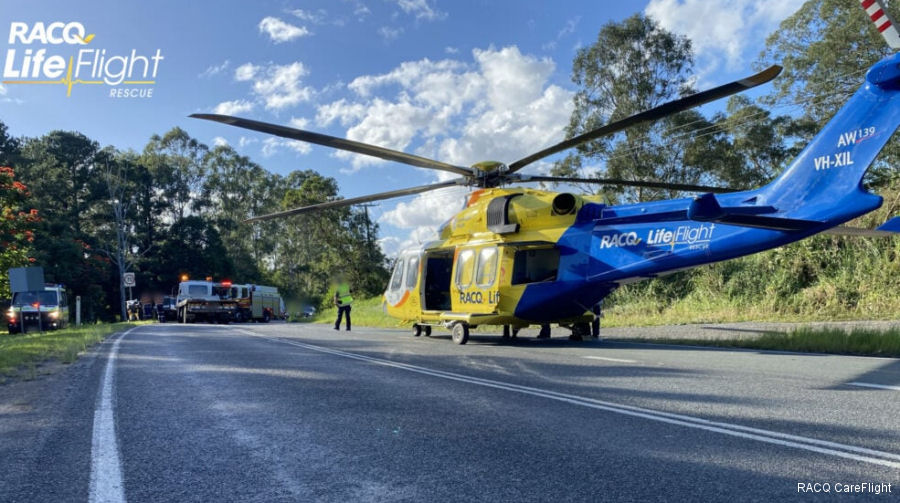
[(207, 301), (256, 302), (46, 309)]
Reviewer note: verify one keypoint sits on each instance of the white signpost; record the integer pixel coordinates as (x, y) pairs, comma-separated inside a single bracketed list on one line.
[(128, 279)]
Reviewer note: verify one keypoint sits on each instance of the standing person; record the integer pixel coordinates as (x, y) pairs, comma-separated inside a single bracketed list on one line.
[(342, 300), (595, 325)]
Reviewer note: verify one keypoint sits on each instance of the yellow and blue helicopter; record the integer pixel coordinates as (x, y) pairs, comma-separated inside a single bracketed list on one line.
[(517, 256)]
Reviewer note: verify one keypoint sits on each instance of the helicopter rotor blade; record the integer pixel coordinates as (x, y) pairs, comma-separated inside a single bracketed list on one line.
[(359, 200), (684, 187), (656, 113), (335, 142)]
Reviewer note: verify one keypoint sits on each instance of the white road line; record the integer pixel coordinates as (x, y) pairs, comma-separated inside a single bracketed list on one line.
[(607, 359), (826, 447), (106, 467), (876, 386)]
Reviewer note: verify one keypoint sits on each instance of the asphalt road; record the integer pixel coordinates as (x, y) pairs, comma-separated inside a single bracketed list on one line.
[(303, 413)]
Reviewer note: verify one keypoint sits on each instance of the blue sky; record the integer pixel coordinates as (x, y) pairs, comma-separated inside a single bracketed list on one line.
[(461, 81)]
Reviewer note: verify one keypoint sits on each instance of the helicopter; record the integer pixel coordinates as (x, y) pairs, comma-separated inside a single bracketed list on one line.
[(517, 256)]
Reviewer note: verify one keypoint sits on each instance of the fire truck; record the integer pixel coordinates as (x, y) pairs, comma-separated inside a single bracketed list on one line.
[(257, 303), (204, 301)]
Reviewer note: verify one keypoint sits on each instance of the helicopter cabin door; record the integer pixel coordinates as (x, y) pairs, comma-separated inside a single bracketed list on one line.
[(475, 288)]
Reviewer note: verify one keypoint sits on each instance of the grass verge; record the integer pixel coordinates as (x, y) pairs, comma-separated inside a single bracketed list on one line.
[(857, 341), (364, 313), (20, 353)]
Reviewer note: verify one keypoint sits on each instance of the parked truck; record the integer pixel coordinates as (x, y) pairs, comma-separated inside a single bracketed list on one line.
[(204, 301), (257, 303)]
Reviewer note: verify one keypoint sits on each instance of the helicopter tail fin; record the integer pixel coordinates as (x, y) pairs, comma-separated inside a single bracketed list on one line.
[(824, 183)]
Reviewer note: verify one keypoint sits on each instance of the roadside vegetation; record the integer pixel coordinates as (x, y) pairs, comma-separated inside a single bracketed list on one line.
[(20, 354), (856, 341)]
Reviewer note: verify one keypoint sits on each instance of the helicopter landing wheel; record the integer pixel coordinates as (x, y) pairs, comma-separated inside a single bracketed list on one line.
[(416, 330), (427, 330), (460, 333), (580, 331), (506, 332)]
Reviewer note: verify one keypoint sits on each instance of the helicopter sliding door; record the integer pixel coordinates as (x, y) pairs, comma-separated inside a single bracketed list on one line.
[(438, 271), (475, 288)]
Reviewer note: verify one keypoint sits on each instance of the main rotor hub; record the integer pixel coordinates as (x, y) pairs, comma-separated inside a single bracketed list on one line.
[(488, 173), (489, 166)]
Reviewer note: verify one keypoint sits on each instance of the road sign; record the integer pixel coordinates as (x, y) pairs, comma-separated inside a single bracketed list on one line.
[(128, 279)]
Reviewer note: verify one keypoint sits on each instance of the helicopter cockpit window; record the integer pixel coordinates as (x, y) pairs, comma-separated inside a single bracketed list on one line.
[(464, 268), (412, 272), (397, 277), (536, 265), (487, 267)]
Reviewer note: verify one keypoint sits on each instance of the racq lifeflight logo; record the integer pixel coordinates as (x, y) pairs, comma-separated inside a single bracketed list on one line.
[(41, 54)]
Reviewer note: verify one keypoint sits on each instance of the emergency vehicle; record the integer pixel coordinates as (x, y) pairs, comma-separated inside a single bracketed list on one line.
[(257, 303), (46, 309), (204, 301)]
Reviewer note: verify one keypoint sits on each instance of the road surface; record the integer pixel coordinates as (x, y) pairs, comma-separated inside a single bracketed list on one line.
[(303, 413)]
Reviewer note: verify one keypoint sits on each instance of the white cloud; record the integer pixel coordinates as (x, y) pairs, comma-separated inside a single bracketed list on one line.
[(243, 141), (245, 72), (451, 50), (423, 211), (280, 31), (233, 107), (360, 10), (218, 141), (298, 122), (271, 146), (388, 33), (566, 30), (421, 9), (499, 106), (722, 31), (309, 16), (213, 70), (278, 86)]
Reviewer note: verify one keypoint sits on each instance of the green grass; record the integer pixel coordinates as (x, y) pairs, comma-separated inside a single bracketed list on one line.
[(364, 313), (857, 341), (19, 354)]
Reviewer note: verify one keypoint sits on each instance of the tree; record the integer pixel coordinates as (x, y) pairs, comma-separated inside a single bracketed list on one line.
[(634, 65), (60, 169), (121, 199), (194, 247), (16, 226), (825, 49), (178, 164), (9, 148)]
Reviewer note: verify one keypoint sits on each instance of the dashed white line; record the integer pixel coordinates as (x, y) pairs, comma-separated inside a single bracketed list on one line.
[(608, 359), (106, 467), (826, 447), (872, 385)]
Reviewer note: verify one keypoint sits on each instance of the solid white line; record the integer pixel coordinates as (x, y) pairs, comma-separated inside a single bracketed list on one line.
[(772, 437), (876, 386), (106, 467), (607, 359)]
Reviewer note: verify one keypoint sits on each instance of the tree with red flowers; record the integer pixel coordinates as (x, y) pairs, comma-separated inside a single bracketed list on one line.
[(16, 226)]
